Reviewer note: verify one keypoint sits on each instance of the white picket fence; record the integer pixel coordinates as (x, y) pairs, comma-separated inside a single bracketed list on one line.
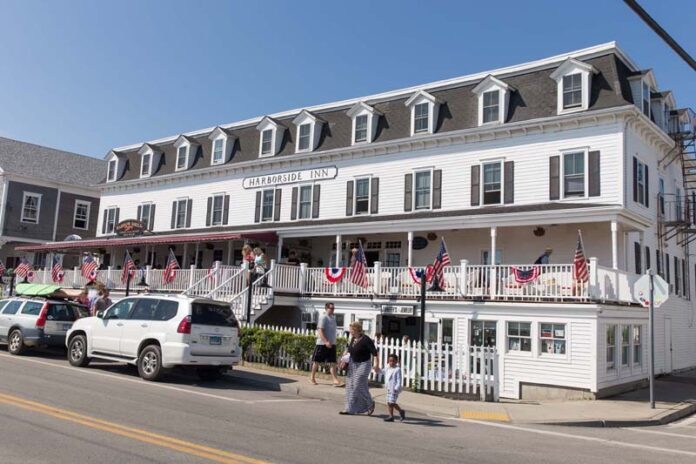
[(438, 368)]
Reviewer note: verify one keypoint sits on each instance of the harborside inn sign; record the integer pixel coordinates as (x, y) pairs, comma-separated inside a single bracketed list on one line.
[(291, 177)]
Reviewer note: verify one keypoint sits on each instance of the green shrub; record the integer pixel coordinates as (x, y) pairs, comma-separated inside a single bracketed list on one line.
[(300, 349)]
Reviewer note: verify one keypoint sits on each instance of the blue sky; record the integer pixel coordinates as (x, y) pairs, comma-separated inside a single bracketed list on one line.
[(87, 76)]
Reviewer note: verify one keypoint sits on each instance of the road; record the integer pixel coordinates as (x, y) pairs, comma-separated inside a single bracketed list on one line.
[(53, 413)]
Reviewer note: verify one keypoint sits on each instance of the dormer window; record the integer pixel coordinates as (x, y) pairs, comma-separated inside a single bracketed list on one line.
[(646, 99), (222, 146), (304, 134), (112, 170), (574, 81), (145, 165), (218, 151), (181, 157), (266, 142), (491, 106), (270, 137), (149, 159), (308, 131), (186, 149), (493, 100), (424, 110), (365, 119)]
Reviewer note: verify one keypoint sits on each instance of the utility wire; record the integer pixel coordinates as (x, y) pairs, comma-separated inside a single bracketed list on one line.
[(633, 4)]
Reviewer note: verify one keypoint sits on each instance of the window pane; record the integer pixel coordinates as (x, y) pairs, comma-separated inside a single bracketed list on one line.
[(361, 128), (267, 209), (181, 158), (491, 106), (217, 150), (267, 138), (303, 143), (305, 202), (145, 214), (574, 174), (420, 123), (572, 91), (423, 190), (181, 214), (145, 169)]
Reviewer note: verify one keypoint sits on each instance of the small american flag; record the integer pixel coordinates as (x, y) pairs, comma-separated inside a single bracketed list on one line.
[(580, 272), (358, 268), (23, 268), (171, 268), (441, 260), (57, 273), (128, 268), (89, 268)]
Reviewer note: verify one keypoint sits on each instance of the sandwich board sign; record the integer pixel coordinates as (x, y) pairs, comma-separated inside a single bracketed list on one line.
[(641, 290)]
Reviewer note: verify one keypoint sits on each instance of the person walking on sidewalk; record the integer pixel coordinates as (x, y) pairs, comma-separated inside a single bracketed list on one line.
[(360, 348), (393, 384), (325, 346)]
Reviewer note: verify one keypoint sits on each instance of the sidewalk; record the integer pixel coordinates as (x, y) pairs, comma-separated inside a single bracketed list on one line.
[(677, 395)]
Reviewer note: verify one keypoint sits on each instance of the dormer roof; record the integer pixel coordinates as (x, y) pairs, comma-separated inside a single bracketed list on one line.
[(422, 94), (149, 147), (491, 80), (268, 121), (218, 132), (184, 140), (572, 63), (304, 115), (361, 106)]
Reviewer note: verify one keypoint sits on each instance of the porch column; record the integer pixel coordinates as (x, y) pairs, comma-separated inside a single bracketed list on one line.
[(195, 257), (614, 245), (229, 252), (184, 259), (491, 261), (280, 248), (410, 249), (338, 251)]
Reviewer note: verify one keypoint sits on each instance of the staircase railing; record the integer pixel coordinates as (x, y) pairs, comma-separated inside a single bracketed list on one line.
[(233, 285), (260, 290)]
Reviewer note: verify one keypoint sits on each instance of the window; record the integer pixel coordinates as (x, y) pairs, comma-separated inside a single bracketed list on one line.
[(120, 310), (362, 196), (32, 308), (646, 99), (491, 106), (81, 216), (361, 128), (145, 165), (304, 133), (145, 211), (31, 205), (12, 307), (491, 183), (574, 174), (266, 141), (111, 214), (420, 118), (625, 345), (641, 185), (218, 151), (305, 202), (395, 244), (553, 339), (268, 197), (393, 260), (572, 91), (217, 211), (519, 336), (181, 155), (422, 190), (180, 213), (637, 347), (611, 346), (111, 172), (637, 257)]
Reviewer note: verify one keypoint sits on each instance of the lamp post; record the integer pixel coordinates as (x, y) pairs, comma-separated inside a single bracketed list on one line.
[(421, 328)]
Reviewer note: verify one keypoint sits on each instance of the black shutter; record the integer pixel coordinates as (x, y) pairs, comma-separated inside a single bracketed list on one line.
[(189, 207), (349, 198), (140, 210), (685, 280), (647, 258), (293, 204), (647, 189), (666, 265), (315, 201), (408, 192), (555, 178), (106, 216), (257, 208), (173, 215), (437, 189), (636, 257), (475, 185), (374, 195), (509, 182), (226, 210), (593, 174), (658, 262), (152, 216), (276, 206), (209, 211), (635, 179)]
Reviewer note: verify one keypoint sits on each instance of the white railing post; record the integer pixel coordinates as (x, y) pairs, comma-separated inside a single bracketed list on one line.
[(109, 280), (148, 281), (592, 290), (76, 270), (377, 283), (462, 276), (192, 275), (493, 281), (271, 274), (303, 278), (45, 274)]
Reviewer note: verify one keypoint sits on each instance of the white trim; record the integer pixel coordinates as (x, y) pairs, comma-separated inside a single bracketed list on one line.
[(3, 209), (413, 189), (501, 162), (212, 209), (187, 149), (367, 177), (272, 218), (38, 207), (89, 210), (149, 156), (223, 139), (113, 178), (299, 200), (186, 214), (586, 181), (150, 204)]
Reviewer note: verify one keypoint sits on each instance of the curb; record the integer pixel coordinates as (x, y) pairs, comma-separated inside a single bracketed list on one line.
[(684, 409)]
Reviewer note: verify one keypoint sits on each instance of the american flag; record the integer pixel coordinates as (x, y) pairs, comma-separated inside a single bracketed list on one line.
[(170, 269), (580, 272), (89, 268), (128, 268), (358, 268), (57, 273), (23, 268), (441, 260)]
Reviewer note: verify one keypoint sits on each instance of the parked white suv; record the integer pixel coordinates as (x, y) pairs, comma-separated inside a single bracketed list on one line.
[(157, 333)]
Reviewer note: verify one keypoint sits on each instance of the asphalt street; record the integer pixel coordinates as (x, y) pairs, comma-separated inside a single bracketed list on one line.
[(54, 413)]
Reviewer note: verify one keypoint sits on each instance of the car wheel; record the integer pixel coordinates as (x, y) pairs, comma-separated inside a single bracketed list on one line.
[(15, 342), (209, 373), (150, 363), (77, 351)]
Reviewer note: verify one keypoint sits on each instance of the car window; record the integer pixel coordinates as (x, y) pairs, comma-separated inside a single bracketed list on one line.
[(166, 309), (32, 308), (3, 303), (153, 309), (12, 307), (120, 310), (60, 312), (81, 310), (212, 314)]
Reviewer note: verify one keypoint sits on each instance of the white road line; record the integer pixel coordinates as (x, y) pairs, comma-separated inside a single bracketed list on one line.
[(577, 437), (154, 385), (685, 422), (657, 432)]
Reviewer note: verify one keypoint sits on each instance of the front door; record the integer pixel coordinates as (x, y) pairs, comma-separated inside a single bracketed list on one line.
[(483, 333), (107, 331)]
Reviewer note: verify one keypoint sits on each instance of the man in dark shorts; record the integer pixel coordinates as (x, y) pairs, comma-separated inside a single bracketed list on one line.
[(325, 347)]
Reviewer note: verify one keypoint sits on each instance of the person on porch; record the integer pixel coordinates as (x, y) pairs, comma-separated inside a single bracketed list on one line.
[(544, 258)]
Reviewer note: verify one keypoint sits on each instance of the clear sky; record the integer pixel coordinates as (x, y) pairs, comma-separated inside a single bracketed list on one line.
[(87, 76)]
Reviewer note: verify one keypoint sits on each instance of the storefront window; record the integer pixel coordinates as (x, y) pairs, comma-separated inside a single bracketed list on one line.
[(553, 339), (519, 336), (625, 345), (611, 346)]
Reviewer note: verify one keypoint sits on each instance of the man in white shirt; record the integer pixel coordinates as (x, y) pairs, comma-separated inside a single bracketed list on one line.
[(325, 347)]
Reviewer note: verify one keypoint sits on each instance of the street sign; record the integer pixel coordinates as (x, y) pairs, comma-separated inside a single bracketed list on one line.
[(641, 291)]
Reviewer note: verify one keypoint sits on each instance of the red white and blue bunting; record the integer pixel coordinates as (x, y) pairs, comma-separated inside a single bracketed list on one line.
[(334, 274), (429, 272), (525, 276)]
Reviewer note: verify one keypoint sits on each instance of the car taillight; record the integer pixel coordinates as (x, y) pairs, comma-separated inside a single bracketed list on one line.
[(41, 321), (184, 326)]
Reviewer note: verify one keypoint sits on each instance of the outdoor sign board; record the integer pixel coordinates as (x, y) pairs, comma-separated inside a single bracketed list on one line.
[(419, 243), (401, 310), (290, 177), (641, 291), (130, 228)]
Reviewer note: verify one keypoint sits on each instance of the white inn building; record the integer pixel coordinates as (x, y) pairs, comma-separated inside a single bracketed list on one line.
[(501, 164)]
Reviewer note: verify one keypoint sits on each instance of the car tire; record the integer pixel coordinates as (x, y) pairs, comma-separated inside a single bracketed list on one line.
[(209, 374), (150, 363), (15, 342), (77, 351)]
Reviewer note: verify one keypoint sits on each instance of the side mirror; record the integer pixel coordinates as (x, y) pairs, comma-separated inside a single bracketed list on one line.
[(100, 314)]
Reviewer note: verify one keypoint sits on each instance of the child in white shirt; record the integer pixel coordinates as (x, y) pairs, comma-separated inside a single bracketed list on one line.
[(392, 382)]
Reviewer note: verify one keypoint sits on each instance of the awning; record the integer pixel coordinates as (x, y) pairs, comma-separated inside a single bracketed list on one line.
[(171, 239)]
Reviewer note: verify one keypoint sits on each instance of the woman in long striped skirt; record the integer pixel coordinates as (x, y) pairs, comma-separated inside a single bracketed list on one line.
[(361, 349)]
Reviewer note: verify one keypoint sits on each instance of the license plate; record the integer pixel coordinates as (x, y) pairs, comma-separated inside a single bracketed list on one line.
[(216, 340), (67, 326)]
